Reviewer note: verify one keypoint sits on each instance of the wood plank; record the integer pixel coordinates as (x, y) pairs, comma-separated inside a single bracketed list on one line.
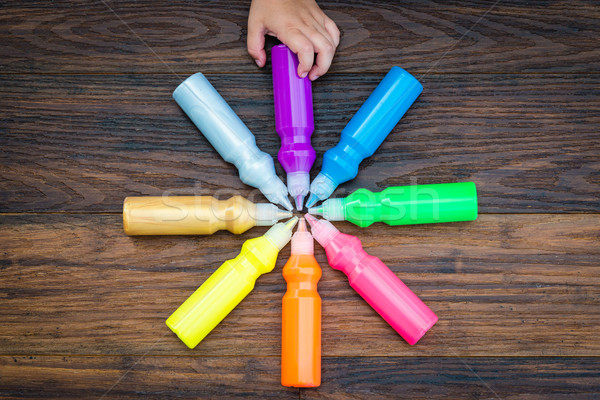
[(182, 36), (343, 378), (135, 377), (504, 285), (83, 143), (458, 378)]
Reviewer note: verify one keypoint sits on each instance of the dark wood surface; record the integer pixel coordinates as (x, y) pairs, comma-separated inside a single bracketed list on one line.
[(514, 36), (529, 282), (192, 376), (511, 101), (79, 142)]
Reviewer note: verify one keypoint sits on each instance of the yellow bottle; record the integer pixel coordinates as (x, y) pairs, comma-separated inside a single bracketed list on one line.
[(195, 215), (228, 285)]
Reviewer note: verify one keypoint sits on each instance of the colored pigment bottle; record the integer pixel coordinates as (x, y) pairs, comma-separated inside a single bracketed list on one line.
[(374, 281), (229, 285), (293, 121), (404, 205), (195, 215), (365, 132), (230, 137), (301, 316)]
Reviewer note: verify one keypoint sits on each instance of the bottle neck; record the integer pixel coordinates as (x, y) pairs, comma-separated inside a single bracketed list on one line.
[(324, 232), (303, 243), (322, 186), (334, 209), (267, 214), (302, 272), (291, 134)]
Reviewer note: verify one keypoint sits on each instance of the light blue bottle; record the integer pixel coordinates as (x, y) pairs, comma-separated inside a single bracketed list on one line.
[(365, 132), (230, 137)]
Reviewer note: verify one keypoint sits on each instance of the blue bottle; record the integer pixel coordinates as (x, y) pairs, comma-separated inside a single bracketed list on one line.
[(365, 132), (230, 137)]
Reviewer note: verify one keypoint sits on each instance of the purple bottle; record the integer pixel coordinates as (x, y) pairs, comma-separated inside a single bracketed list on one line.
[(293, 121)]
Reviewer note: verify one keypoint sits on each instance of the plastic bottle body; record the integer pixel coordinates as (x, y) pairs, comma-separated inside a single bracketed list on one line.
[(294, 119), (229, 136), (301, 323), (222, 291), (228, 285), (367, 129), (381, 288), (418, 204), (187, 215)]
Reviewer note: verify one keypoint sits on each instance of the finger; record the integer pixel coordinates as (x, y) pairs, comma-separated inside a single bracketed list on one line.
[(333, 30), (302, 46), (321, 29), (325, 51), (256, 43), (326, 26)]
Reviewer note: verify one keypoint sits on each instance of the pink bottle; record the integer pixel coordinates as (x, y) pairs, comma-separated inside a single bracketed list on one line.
[(374, 281)]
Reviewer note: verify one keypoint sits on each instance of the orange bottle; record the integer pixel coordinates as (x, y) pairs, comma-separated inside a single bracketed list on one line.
[(301, 316)]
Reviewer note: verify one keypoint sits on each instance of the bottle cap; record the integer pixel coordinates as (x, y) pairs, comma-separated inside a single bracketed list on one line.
[(298, 184), (276, 192), (281, 233), (302, 241), (322, 230), (268, 214), (331, 209), (320, 188)]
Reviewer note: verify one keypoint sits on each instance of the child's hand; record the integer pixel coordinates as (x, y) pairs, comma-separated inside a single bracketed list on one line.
[(299, 24)]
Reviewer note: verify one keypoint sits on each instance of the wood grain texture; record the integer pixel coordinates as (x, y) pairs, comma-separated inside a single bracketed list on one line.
[(186, 37), (506, 378), (84, 143), (511, 102), (134, 377), (504, 285), (458, 378)]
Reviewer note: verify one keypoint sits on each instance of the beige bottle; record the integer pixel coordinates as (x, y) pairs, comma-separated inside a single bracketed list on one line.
[(195, 215)]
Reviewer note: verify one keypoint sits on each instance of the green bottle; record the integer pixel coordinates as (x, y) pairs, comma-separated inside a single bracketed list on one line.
[(404, 205)]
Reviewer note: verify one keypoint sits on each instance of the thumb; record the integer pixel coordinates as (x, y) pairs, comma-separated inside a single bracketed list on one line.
[(256, 43)]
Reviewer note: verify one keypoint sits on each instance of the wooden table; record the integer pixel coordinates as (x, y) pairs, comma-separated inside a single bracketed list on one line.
[(511, 102)]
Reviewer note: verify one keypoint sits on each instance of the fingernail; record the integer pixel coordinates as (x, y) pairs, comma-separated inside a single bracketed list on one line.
[(257, 62), (314, 78), (304, 75)]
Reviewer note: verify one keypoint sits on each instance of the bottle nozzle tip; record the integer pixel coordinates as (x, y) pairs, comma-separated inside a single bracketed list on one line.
[(284, 214), (316, 210), (311, 220), (302, 225), (291, 223), (285, 202), (299, 202), (312, 200)]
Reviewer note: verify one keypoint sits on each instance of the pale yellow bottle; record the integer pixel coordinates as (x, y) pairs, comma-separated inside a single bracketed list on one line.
[(195, 215), (229, 285)]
